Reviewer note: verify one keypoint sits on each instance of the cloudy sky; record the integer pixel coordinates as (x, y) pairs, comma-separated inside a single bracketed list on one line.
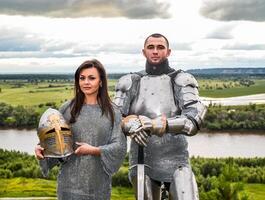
[(56, 36)]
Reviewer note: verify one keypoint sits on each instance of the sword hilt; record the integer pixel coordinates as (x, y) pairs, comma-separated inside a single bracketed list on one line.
[(140, 154)]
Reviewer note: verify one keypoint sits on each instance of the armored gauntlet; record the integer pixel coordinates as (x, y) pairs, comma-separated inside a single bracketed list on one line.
[(131, 126), (155, 126)]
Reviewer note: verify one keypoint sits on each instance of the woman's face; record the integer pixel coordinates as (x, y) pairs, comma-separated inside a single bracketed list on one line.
[(89, 81)]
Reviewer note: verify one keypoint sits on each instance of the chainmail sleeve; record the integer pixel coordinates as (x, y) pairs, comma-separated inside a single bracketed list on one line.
[(47, 164), (63, 109), (113, 153)]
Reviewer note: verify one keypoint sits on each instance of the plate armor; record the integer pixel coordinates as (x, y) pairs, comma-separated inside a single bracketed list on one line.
[(174, 95)]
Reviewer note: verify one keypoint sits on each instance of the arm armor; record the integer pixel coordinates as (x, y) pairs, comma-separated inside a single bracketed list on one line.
[(125, 90), (192, 109)]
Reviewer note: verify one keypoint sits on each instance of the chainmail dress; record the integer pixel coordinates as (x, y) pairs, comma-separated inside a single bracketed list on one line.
[(88, 177)]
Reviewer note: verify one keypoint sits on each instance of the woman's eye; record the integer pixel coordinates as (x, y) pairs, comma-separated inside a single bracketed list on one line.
[(82, 78)]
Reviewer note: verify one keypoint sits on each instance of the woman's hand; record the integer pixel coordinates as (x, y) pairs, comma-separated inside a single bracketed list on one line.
[(86, 149), (39, 152)]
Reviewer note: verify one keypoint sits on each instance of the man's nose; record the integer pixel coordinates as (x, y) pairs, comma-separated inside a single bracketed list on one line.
[(155, 50)]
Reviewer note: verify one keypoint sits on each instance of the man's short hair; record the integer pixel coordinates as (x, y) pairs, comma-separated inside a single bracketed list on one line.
[(157, 35)]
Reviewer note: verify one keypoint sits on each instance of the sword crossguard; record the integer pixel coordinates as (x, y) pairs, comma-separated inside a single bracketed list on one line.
[(133, 166)]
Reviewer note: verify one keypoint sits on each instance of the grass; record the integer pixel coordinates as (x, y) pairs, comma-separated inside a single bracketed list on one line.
[(28, 94), (26, 187), (257, 88), (23, 187), (119, 193), (33, 95), (255, 191)]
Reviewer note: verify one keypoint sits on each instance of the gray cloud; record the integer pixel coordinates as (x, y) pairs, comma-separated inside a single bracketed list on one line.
[(223, 32), (144, 9), (181, 46), (121, 48), (86, 8), (22, 43), (16, 43), (230, 10), (241, 46), (224, 59), (11, 40)]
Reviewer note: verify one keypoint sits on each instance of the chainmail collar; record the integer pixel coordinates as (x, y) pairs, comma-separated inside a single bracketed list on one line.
[(162, 68)]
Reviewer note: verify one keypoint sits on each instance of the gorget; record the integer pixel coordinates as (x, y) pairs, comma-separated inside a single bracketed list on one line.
[(162, 68)]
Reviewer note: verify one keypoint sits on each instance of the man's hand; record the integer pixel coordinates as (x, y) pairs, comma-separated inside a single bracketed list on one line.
[(140, 137), (155, 126), (132, 126), (39, 152)]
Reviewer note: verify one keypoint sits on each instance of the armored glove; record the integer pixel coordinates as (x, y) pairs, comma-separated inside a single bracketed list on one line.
[(155, 126), (131, 126), (182, 125), (190, 128)]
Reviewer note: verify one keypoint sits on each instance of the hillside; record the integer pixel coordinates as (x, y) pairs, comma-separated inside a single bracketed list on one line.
[(215, 72), (229, 71)]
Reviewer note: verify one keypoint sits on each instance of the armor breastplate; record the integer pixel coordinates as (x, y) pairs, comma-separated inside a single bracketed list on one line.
[(155, 97)]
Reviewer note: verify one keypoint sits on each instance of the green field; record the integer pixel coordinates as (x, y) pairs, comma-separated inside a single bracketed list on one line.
[(33, 95), (23, 187), (255, 191), (234, 90), (28, 94)]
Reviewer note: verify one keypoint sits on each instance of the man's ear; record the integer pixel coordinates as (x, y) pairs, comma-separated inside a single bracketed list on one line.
[(143, 51), (168, 52)]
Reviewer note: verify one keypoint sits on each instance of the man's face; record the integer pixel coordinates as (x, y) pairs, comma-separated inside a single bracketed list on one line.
[(156, 50)]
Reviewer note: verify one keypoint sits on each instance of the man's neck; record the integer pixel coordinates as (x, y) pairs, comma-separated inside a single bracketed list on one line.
[(161, 68)]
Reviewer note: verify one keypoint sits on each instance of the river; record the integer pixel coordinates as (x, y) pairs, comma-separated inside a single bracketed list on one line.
[(202, 144), (232, 101)]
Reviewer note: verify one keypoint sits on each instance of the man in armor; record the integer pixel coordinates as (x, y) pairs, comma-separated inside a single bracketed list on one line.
[(160, 107)]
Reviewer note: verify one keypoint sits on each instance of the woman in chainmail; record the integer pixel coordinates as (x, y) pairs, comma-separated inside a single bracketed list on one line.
[(99, 144)]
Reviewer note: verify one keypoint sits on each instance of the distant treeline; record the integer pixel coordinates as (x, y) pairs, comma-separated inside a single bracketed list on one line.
[(204, 73), (218, 118), (235, 118), (224, 72), (30, 77), (18, 116), (216, 178)]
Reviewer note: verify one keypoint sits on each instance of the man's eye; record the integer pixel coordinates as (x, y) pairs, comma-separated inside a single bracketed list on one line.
[(161, 47), (150, 47)]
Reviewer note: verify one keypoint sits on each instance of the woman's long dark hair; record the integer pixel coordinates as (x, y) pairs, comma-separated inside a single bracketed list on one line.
[(103, 98)]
